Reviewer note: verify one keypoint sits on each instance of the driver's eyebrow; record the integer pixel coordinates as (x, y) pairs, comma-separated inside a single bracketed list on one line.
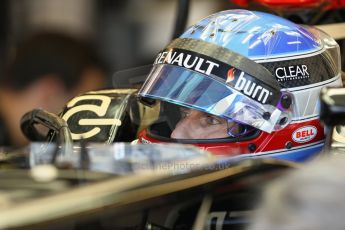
[(182, 109)]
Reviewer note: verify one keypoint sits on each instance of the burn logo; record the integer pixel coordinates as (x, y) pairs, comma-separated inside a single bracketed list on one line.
[(252, 89)]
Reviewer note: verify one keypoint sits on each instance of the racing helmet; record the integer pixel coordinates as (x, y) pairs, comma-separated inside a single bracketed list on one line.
[(259, 71)]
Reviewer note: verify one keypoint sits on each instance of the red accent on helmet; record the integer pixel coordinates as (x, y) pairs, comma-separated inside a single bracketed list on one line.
[(325, 4), (243, 3), (231, 75), (264, 142)]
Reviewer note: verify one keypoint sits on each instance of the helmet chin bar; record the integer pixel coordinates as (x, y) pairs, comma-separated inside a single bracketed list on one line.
[(161, 131)]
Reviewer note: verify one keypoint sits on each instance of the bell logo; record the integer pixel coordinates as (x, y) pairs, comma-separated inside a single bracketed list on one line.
[(251, 89), (304, 134)]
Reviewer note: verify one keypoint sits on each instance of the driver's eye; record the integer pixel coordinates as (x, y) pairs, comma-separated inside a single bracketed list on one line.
[(211, 120)]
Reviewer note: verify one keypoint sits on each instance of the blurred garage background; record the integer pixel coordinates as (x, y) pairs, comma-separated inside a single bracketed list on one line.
[(126, 33)]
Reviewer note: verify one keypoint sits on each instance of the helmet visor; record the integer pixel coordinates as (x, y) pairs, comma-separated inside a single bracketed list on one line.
[(198, 91)]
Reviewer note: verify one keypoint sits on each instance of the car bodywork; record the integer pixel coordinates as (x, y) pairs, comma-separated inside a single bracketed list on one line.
[(153, 193)]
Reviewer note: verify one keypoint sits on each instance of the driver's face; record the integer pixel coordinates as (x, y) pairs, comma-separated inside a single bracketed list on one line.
[(198, 125)]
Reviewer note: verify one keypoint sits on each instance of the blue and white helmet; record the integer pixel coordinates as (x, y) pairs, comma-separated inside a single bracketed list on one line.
[(256, 69)]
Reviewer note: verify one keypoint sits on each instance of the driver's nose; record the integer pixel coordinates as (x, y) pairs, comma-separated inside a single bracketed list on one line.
[(180, 131), (186, 128)]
